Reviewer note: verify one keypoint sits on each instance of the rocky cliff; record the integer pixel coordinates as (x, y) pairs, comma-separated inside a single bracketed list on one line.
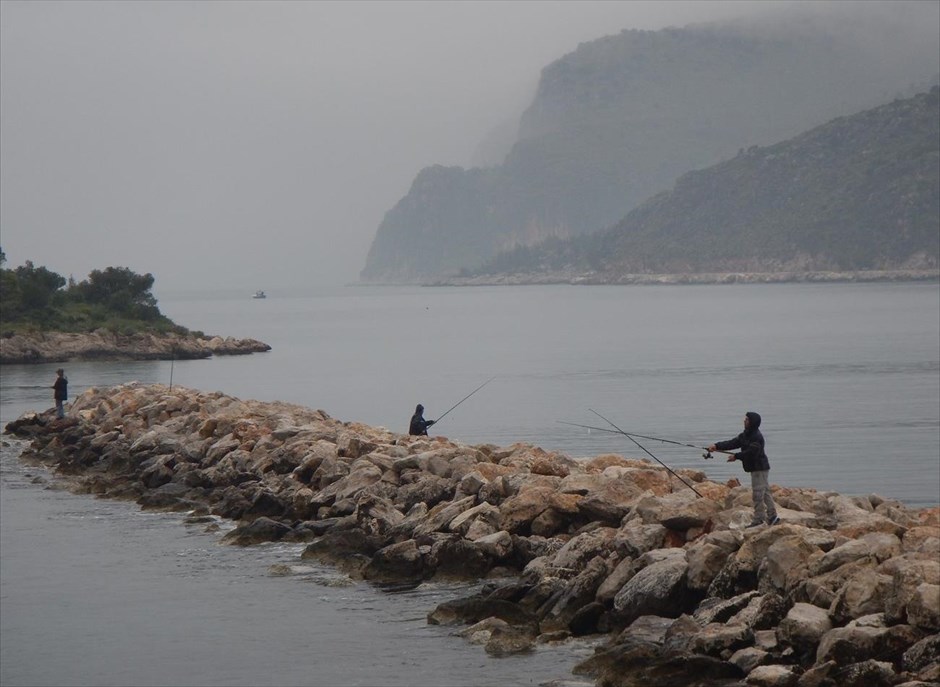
[(845, 591), (620, 118)]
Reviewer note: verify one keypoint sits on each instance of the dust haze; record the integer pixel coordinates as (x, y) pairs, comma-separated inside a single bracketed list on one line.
[(249, 145)]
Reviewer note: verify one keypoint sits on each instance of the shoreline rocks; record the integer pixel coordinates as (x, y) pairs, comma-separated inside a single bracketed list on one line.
[(54, 347), (605, 278), (846, 591)]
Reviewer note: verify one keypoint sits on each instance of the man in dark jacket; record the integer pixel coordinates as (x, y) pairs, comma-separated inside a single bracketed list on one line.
[(419, 426), (60, 392), (754, 460)]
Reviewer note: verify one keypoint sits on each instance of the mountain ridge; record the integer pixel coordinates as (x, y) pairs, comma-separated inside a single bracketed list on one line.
[(859, 193), (618, 120)]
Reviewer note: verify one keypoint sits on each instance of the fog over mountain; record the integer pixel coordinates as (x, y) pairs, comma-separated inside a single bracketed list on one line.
[(860, 192), (620, 118), (259, 144)]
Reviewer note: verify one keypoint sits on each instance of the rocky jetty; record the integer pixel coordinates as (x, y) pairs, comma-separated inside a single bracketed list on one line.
[(55, 347), (845, 592)]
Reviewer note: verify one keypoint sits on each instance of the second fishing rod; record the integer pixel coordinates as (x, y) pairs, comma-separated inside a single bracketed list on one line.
[(706, 455), (647, 452), (464, 399), (419, 426)]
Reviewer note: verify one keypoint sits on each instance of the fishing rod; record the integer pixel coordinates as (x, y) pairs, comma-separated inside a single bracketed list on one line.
[(465, 398), (630, 437), (72, 387), (706, 455)]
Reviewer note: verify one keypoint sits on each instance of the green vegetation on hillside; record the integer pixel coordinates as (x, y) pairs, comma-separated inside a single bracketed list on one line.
[(858, 193), (37, 299)]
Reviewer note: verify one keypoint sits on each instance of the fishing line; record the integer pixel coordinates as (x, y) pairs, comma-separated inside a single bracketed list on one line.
[(464, 398), (647, 452), (706, 455)]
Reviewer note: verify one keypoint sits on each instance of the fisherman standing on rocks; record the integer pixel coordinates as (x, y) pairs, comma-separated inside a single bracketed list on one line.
[(754, 460), (419, 426), (61, 392)]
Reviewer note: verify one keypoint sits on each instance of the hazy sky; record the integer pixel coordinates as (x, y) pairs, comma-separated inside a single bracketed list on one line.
[(258, 145)]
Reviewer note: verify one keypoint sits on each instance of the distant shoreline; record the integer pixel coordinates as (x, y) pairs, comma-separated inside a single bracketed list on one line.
[(599, 278)]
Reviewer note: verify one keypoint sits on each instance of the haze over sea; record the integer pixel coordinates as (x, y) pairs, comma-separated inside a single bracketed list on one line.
[(846, 377)]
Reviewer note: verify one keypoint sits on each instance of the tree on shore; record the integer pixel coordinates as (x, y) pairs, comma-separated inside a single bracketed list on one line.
[(115, 298), (121, 290)]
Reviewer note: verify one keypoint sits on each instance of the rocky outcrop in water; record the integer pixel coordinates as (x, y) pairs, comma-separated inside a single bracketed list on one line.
[(54, 347), (845, 592)]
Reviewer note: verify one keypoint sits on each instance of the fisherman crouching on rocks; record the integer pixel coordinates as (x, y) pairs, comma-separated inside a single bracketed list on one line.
[(419, 426)]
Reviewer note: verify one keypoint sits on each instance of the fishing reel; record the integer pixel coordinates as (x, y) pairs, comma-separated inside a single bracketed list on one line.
[(707, 454)]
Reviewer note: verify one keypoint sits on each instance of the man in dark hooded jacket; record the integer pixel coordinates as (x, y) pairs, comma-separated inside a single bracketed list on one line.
[(419, 426), (754, 460), (61, 392)]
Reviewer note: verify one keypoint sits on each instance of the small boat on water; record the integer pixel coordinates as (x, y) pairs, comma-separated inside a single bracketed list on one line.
[(259, 294)]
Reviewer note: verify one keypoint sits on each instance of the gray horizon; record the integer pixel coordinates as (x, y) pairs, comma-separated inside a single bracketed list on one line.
[(249, 145)]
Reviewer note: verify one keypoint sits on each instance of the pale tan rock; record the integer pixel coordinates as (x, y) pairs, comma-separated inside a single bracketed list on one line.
[(786, 560), (862, 594), (923, 609), (772, 676), (804, 626), (922, 539)]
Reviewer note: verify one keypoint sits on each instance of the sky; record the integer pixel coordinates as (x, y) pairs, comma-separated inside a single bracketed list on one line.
[(257, 145)]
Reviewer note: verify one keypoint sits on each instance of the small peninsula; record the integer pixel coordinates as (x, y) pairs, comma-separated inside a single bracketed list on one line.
[(112, 315)]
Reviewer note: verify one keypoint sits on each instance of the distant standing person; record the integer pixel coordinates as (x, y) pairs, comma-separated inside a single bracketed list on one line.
[(419, 426), (754, 460), (61, 393)]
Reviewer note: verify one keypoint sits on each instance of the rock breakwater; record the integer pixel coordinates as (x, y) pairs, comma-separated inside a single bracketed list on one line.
[(54, 347), (845, 592)]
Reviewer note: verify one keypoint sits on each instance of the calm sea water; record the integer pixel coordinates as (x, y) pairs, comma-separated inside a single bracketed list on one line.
[(846, 376)]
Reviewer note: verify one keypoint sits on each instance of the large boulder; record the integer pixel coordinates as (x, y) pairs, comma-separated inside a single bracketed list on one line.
[(440, 517), (762, 612), (705, 562), (475, 608), (635, 538), (260, 530), (657, 589), (875, 547), (578, 593), (923, 609), (908, 572), (718, 610), (786, 561), (578, 550), (518, 511), (509, 640), (427, 489), (803, 627), (863, 593), (922, 654), (609, 501), (721, 641), (484, 512), (773, 676), (397, 564), (852, 644)]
